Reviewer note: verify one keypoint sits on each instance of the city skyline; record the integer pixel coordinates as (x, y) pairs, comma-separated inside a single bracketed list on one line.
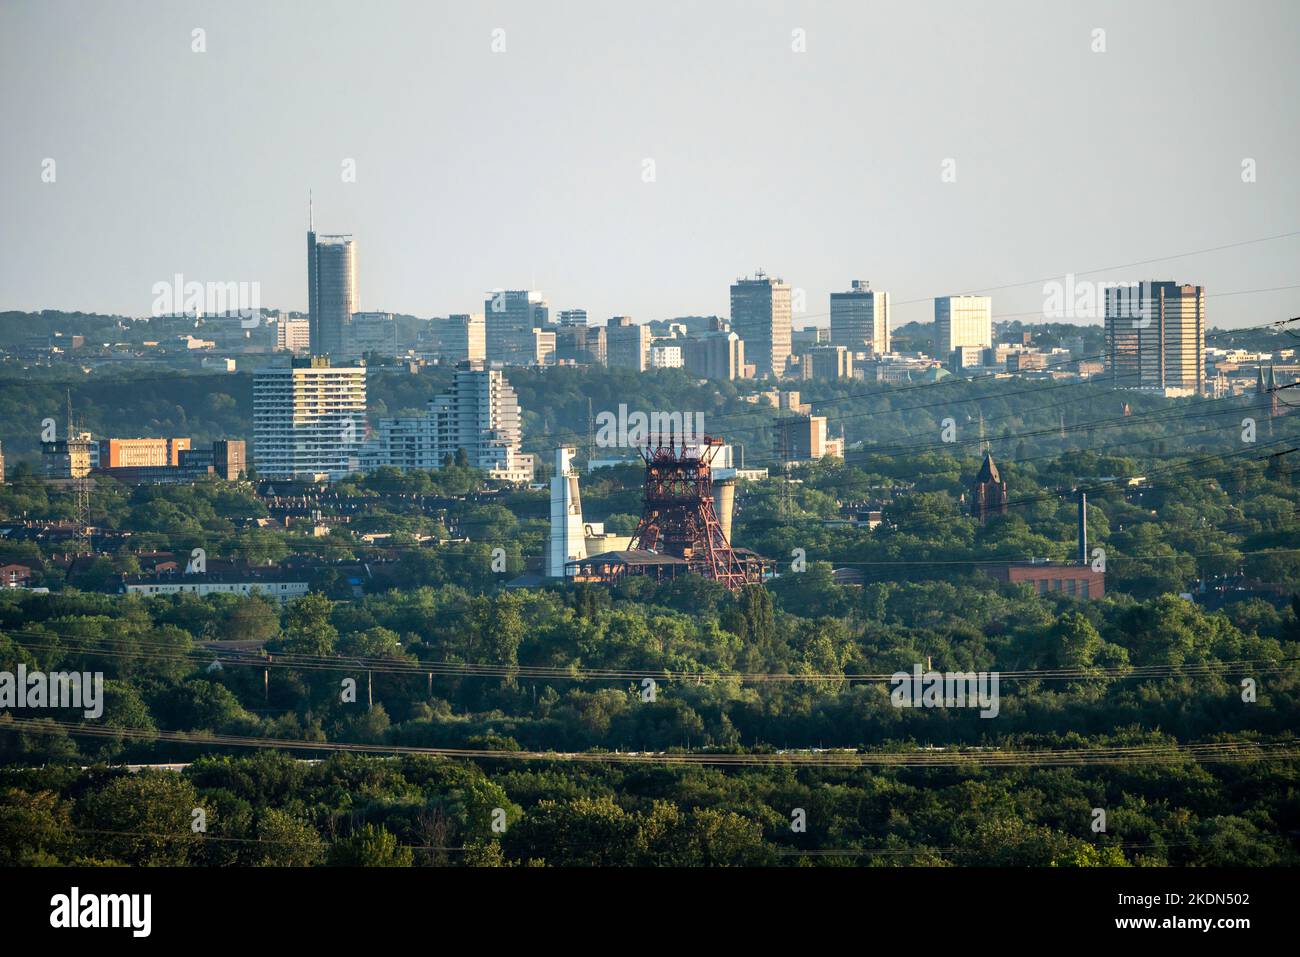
[(700, 189)]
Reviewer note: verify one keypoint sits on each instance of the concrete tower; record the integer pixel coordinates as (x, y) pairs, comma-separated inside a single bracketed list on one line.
[(568, 540)]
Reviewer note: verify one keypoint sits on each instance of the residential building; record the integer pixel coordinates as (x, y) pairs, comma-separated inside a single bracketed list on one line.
[(666, 357), (309, 418), (479, 414), (292, 335)]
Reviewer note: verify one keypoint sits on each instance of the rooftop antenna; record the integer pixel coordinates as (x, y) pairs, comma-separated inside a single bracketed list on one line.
[(311, 222)]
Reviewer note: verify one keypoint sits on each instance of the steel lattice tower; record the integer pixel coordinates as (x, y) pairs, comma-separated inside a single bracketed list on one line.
[(678, 517)]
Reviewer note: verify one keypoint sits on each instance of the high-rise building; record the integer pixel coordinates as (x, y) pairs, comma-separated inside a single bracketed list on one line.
[(573, 317), (962, 321), (761, 315), (511, 316), (479, 414), (860, 319), (309, 418), (719, 354), (331, 289), (627, 344), (2, 465), (1155, 337)]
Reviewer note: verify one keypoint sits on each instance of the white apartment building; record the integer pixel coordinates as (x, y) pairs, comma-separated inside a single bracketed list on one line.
[(666, 357), (309, 419), (479, 413)]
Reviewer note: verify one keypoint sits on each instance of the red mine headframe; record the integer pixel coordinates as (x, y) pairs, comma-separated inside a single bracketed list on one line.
[(678, 517)]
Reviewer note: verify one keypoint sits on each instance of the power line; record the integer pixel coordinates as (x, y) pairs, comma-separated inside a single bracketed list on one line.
[(1216, 752)]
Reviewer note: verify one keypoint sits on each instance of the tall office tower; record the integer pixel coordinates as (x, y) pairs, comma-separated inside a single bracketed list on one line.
[(568, 537), (860, 319), (715, 355), (511, 316), (309, 418), (573, 317), (1155, 337), (479, 413), (331, 288), (2, 465), (370, 332), (627, 344), (760, 314), (962, 321)]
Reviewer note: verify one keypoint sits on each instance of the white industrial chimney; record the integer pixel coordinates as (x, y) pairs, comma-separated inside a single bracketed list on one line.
[(568, 541)]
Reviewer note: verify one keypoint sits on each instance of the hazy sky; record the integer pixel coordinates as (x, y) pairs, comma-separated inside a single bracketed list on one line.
[(526, 168)]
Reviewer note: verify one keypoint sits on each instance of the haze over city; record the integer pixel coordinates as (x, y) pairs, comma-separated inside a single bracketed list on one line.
[(506, 145), (724, 435)]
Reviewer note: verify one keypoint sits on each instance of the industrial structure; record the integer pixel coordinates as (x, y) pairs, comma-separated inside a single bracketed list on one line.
[(568, 532), (680, 530)]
